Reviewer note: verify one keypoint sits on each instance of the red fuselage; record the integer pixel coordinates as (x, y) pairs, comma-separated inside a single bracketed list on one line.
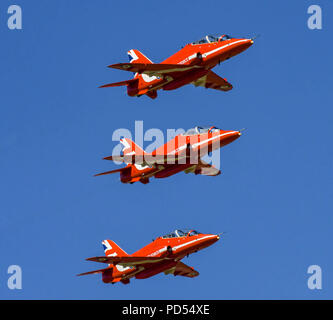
[(205, 55), (170, 250), (196, 146)]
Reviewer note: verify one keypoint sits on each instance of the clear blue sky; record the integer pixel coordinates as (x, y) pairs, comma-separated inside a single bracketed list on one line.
[(274, 197)]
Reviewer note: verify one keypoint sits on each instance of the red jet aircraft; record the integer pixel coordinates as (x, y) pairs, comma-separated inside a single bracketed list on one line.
[(182, 153), (162, 255), (192, 64)]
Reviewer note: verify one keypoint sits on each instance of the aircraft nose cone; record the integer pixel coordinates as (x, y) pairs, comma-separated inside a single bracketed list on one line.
[(249, 42), (237, 134), (228, 137), (245, 43)]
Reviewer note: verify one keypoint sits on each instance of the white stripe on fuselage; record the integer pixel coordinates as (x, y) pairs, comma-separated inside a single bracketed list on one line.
[(187, 243), (218, 49), (199, 143), (179, 246), (193, 56)]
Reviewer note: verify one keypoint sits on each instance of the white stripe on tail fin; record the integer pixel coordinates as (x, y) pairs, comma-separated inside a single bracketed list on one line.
[(135, 56), (131, 148), (111, 249)]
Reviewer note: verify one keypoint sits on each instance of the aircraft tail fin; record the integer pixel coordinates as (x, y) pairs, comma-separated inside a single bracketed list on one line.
[(111, 249), (138, 57), (131, 148)]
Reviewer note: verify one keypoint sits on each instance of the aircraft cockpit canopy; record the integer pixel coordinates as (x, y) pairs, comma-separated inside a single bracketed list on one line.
[(200, 130), (210, 39), (181, 233)]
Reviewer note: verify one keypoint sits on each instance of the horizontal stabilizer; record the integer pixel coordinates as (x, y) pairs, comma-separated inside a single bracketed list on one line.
[(125, 260), (131, 158), (118, 84), (93, 272), (110, 172), (152, 69)]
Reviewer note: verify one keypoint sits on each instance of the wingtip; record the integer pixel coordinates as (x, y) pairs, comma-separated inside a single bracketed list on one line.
[(102, 173)]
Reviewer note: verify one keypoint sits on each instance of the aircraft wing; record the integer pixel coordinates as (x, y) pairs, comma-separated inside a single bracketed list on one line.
[(153, 69), (203, 168), (181, 269), (149, 159), (126, 261), (213, 81), (128, 158), (119, 84), (112, 171), (93, 272)]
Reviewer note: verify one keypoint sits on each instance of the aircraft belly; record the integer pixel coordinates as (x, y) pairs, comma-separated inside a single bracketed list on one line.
[(185, 79), (146, 173), (171, 170), (144, 86), (133, 273), (115, 274), (135, 172), (155, 268)]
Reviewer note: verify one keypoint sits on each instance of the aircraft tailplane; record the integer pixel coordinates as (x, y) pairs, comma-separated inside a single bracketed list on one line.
[(128, 83), (93, 272)]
